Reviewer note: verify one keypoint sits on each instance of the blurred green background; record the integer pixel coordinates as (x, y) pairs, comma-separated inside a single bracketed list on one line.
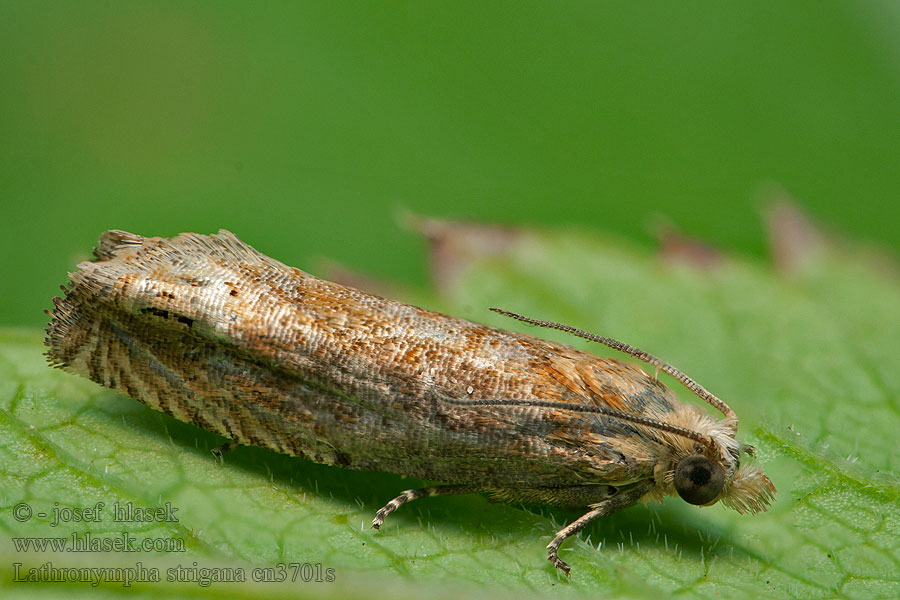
[(306, 126)]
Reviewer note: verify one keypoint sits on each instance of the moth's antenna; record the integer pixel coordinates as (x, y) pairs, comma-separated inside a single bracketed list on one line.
[(689, 383), (585, 408)]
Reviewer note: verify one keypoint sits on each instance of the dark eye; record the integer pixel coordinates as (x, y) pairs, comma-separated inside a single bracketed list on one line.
[(698, 480)]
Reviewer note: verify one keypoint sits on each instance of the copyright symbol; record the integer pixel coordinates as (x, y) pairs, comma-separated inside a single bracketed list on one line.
[(21, 512)]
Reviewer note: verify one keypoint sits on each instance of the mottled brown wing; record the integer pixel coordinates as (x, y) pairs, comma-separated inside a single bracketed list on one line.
[(214, 333)]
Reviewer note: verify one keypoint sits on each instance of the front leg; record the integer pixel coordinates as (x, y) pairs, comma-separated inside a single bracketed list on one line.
[(623, 497)]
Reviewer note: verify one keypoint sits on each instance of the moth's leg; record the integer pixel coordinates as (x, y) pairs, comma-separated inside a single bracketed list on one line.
[(219, 451), (625, 496), (425, 492), (570, 529), (575, 497)]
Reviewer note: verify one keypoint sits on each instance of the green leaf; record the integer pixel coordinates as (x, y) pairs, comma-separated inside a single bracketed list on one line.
[(808, 360)]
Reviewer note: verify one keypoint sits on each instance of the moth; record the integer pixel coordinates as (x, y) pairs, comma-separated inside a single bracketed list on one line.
[(211, 332)]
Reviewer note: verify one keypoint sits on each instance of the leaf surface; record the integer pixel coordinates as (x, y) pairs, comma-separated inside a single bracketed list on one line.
[(809, 362)]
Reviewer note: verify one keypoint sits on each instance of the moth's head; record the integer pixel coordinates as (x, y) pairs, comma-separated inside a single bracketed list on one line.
[(704, 481), (705, 473)]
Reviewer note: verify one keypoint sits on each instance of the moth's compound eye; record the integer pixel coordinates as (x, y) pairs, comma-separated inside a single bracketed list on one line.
[(698, 480)]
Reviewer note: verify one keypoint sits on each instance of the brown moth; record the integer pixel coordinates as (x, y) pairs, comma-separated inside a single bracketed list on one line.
[(213, 333)]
